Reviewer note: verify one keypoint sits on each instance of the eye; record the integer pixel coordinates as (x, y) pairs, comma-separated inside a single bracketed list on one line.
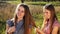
[(22, 11), (45, 12), (18, 9)]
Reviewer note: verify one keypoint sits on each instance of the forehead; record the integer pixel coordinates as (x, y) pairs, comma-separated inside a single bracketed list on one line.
[(21, 8), (45, 10)]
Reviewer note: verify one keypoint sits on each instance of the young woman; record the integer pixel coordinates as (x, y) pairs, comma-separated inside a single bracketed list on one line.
[(22, 21), (50, 23)]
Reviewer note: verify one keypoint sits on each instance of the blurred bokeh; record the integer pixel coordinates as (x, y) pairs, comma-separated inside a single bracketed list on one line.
[(7, 9)]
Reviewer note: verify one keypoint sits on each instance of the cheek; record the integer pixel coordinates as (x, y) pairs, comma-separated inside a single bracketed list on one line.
[(18, 14), (22, 14), (45, 14), (49, 15)]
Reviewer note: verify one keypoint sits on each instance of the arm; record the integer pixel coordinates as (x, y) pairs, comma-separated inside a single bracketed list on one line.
[(55, 30), (43, 25), (39, 31)]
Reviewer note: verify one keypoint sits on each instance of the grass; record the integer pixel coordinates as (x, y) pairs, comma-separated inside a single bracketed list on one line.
[(7, 12), (14, 2), (2, 27), (55, 3), (43, 3)]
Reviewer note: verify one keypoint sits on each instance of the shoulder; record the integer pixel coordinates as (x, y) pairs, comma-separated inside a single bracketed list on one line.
[(56, 23), (55, 30)]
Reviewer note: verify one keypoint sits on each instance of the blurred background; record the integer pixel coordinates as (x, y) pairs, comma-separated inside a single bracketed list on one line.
[(7, 9)]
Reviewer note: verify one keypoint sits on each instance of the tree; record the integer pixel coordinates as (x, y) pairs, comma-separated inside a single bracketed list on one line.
[(22, 1)]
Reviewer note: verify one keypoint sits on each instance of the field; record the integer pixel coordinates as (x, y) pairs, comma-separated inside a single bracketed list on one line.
[(7, 11)]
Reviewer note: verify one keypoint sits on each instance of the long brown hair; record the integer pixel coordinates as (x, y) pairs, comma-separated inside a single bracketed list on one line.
[(28, 19), (51, 8)]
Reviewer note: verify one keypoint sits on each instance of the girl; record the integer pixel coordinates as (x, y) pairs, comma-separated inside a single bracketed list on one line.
[(50, 23), (22, 21)]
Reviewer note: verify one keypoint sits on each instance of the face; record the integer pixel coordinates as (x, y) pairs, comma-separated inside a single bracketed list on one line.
[(47, 13), (21, 12)]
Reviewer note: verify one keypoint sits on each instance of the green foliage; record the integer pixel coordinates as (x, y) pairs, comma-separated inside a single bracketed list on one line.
[(7, 12), (57, 3), (2, 27)]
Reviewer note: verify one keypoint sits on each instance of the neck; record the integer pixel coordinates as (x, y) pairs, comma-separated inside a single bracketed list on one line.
[(19, 19)]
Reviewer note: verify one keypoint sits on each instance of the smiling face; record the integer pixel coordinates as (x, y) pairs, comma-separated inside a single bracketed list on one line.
[(47, 13), (21, 12)]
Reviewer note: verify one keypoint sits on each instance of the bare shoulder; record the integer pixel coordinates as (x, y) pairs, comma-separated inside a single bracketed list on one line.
[(55, 30)]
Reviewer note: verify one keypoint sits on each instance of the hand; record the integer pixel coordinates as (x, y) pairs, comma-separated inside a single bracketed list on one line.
[(37, 28), (45, 17), (12, 29), (39, 31)]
